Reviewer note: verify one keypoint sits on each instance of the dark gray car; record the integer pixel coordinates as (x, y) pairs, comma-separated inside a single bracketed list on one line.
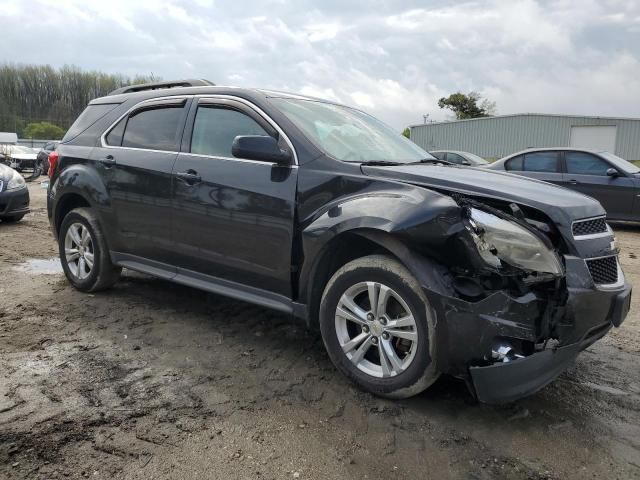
[(611, 180)]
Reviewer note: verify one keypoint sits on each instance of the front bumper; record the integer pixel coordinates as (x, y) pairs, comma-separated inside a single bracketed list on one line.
[(506, 382), (468, 331), (14, 202)]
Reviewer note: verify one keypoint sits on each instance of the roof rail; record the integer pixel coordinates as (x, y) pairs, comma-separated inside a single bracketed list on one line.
[(158, 85)]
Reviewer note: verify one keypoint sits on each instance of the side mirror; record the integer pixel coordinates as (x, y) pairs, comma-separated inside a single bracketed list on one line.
[(466, 162), (261, 148), (612, 172)]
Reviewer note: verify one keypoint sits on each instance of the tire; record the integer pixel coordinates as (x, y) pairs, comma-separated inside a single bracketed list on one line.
[(413, 369), (12, 218), (78, 225)]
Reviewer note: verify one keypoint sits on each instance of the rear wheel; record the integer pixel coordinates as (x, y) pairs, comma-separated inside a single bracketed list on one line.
[(83, 252), (378, 328)]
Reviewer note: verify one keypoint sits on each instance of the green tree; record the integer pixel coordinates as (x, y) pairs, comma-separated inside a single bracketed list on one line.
[(407, 132), (41, 93), (471, 105), (43, 130)]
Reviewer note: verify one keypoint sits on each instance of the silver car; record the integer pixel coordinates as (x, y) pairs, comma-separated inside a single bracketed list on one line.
[(611, 180)]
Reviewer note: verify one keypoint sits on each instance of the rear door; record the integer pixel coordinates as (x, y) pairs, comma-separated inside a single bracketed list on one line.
[(541, 165), (136, 160), (233, 217), (587, 173)]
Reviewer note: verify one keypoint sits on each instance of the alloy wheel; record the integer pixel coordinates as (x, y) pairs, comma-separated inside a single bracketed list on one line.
[(376, 329), (79, 250)]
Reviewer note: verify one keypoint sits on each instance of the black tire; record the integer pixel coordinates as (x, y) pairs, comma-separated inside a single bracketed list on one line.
[(103, 274), (422, 370), (12, 218)]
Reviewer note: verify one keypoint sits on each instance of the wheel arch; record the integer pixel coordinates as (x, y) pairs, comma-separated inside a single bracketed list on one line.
[(403, 222), (357, 243), (77, 186)]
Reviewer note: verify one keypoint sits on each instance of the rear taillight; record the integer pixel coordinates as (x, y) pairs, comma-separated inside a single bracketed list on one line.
[(53, 162)]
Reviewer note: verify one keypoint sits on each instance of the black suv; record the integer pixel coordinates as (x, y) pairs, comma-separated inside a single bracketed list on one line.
[(410, 267)]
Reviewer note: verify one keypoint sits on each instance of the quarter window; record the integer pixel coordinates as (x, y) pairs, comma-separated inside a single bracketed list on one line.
[(155, 129), (215, 129), (516, 163), (580, 163), (541, 162), (114, 137)]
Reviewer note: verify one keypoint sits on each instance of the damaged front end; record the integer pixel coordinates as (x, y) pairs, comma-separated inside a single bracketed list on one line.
[(520, 301)]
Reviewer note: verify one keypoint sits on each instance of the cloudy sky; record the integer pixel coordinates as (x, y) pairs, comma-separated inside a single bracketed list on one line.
[(391, 58)]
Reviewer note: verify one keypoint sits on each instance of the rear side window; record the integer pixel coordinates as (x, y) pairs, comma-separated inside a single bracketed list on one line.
[(88, 117), (215, 129), (541, 162), (581, 163), (454, 158), (153, 129)]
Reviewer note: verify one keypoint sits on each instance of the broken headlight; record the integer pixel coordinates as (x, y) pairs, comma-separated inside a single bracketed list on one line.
[(499, 240)]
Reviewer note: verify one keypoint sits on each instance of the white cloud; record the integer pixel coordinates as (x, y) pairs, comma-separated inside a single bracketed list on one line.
[(392, 59)]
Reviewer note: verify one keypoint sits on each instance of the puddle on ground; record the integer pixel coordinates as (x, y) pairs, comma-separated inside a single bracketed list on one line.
[(49, 266)]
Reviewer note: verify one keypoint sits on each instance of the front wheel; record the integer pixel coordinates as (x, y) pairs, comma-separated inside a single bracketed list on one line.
[(378, 328), (83, 252)]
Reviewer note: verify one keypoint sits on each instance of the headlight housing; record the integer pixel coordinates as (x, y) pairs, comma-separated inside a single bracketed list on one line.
[(15, 181), (499, 240)]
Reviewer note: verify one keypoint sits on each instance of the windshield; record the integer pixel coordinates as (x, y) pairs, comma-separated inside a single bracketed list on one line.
[(475, 159), (620, 163), (348, 134)]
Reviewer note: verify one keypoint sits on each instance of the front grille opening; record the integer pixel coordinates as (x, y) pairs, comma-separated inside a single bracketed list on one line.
[(589, 227), (604, 271)]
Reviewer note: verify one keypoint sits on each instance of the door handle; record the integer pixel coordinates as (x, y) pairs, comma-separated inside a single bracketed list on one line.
[(573, 182), (108, 161), (190, 176)]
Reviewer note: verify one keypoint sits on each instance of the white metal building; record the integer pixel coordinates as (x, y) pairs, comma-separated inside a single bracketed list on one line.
[(495, 137)]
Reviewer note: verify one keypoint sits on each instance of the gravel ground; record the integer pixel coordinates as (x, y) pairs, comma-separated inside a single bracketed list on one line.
[(155, 380)]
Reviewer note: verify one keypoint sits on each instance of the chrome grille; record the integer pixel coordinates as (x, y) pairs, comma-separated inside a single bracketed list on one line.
[(604, 271), (591, 226)]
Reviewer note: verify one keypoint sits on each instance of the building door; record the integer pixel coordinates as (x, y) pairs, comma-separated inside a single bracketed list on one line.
[(597, 138)]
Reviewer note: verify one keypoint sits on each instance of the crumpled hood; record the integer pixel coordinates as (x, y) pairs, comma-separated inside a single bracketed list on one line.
[(560, 204), (24, 156)]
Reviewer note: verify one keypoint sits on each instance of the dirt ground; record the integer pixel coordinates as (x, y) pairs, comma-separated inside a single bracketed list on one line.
[(155, 380)]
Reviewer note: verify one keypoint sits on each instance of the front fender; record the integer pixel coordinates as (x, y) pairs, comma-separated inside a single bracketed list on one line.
[(415, 217)]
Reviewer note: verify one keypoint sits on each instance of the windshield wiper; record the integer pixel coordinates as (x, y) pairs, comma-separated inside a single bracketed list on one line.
[(380, 163), (431, 160)]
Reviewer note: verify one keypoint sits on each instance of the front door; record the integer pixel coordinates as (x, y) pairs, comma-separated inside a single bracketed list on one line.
[(232, 217), (587, 173)]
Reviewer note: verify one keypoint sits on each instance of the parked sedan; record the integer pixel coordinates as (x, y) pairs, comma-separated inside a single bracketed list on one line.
[(611, 180), (460, 158), (14, 196)]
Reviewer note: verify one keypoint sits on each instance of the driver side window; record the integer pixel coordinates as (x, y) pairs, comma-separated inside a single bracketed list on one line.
[(215, 128)]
